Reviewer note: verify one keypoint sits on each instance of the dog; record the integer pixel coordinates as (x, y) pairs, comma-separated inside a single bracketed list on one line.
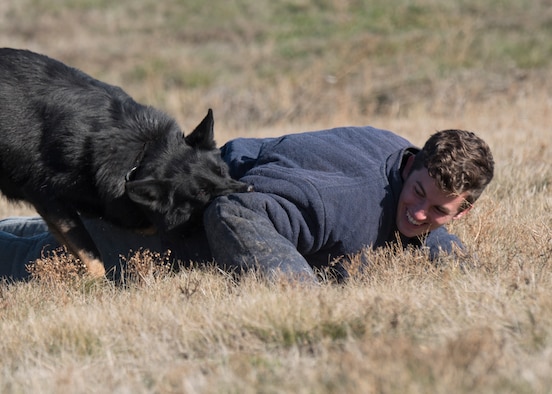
[(72, 145)]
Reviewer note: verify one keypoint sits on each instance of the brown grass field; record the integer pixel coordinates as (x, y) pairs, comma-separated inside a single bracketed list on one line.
[(269, 68)]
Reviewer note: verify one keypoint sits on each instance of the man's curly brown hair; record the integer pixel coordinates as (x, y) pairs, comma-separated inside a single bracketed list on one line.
[(459, 161)]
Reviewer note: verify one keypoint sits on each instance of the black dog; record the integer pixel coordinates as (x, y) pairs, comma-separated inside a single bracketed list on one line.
[(72, 145)]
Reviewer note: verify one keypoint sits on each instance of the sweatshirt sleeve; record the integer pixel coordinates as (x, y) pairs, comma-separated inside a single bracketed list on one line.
[(440, 242), (245, 232)]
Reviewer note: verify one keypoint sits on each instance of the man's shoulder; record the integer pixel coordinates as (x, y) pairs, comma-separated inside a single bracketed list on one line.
[(360, 136), (346, 134), (342, 149)]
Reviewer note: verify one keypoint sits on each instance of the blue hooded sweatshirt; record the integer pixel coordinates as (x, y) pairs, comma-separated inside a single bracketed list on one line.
[(333, 192)]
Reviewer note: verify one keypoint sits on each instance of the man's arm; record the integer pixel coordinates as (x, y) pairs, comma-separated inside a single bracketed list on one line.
[(243, 237)]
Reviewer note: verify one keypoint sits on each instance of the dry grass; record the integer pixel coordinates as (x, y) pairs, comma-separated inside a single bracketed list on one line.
[(402, 325)]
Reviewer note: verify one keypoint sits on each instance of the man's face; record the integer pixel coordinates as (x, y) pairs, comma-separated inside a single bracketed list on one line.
[(423, 207)]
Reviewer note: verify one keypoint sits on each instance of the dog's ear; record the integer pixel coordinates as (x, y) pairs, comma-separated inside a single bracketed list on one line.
[(151, 193), (203, 135)]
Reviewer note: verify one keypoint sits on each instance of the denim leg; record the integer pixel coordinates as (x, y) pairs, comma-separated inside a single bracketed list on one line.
[(242, 238), (23, 226), (23, 240), (114, 242)]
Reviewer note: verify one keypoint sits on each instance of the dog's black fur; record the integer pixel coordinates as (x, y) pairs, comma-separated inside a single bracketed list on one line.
[(71, 144)]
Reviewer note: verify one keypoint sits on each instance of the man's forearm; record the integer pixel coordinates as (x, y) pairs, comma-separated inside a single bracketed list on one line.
[(242, 238)]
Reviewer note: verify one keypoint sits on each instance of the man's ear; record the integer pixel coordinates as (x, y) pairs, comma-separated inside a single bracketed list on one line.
[(462, 213), (407, 167), (150, 193), (203, 135)]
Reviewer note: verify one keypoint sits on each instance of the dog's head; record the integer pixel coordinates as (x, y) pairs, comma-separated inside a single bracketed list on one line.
[(175, 195)]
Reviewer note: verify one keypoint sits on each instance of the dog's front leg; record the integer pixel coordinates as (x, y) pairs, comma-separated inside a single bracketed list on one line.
[(66, 225)]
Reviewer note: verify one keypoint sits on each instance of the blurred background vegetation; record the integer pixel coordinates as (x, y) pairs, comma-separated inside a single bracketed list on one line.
[(263, 63)]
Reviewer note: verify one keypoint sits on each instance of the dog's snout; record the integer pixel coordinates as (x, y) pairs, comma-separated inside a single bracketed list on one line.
[(241, 187), (245, 187)]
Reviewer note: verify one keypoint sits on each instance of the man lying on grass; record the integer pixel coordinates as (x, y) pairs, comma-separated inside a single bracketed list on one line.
[(319, 197)]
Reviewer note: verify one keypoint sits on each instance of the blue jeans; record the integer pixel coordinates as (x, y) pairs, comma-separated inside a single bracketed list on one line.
[(22, 240), (25, 239), (238, 238)]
